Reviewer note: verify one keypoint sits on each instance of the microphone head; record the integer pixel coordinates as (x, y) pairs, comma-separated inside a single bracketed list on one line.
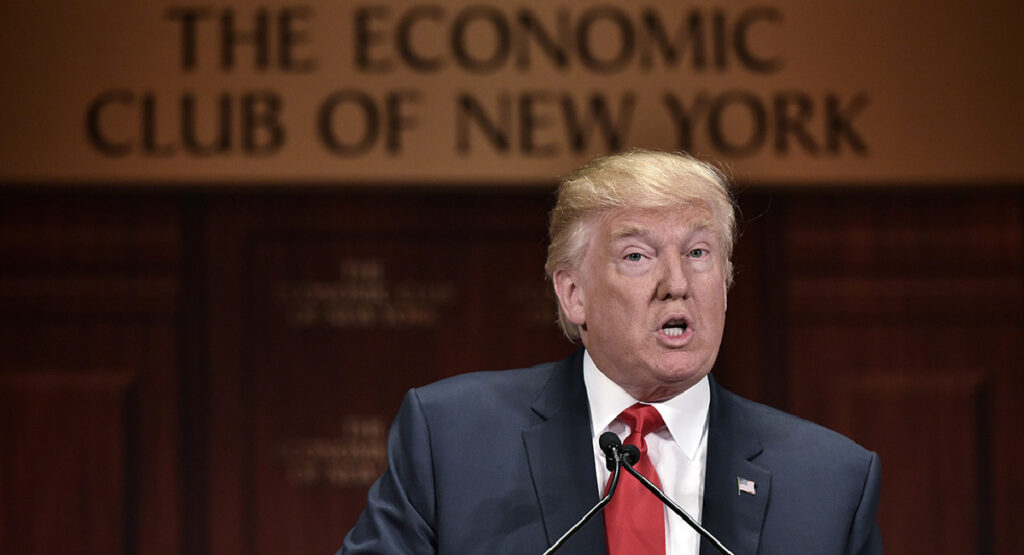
[(607, 441), (631, 454), (610, 445)]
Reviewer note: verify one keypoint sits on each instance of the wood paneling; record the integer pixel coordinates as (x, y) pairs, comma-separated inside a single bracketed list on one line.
[(324, 314), (89, 297), (905, 332), (931, 431), (65, 484), (212, 373), (752, 359)]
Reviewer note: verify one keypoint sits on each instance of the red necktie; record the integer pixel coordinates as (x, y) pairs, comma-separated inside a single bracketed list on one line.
[(634, 521)]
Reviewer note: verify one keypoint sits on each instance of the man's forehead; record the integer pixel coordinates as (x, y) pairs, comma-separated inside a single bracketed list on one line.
[(631, 222)]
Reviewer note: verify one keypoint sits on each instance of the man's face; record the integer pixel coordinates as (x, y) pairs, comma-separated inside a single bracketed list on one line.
[(649, 297)]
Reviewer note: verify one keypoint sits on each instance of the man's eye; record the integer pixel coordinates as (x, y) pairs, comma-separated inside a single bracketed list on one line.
[(634, 257), (698, 253)]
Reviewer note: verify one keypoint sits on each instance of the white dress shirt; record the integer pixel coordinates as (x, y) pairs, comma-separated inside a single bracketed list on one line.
[(678, 451)]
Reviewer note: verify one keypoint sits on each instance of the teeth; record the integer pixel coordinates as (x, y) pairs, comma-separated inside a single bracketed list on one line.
[(674, 331)]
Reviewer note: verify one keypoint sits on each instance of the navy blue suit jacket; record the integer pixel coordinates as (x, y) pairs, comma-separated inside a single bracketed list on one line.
[(502, 462)]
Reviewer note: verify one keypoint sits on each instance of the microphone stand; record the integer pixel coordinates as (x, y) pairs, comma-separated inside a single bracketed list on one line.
[(627, 457), (614, 456)]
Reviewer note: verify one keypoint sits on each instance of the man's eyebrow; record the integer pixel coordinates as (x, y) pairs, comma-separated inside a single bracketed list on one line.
[(629, 231), (704, 225), (707, 225)]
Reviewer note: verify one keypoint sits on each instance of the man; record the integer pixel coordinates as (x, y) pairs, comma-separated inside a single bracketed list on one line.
[(506, 462)]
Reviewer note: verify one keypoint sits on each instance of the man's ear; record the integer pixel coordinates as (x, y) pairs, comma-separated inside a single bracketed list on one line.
[(725, 293), (570, 295)]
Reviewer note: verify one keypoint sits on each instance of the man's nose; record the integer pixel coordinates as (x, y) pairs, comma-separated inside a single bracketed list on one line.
[(674, 282)]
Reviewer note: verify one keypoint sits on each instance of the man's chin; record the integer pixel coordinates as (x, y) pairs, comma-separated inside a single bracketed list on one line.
[(669, 383), (678, 364)]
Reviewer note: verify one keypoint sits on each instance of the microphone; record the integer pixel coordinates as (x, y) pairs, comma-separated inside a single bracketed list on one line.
[(610, 444), (612, 447), (630, 454)]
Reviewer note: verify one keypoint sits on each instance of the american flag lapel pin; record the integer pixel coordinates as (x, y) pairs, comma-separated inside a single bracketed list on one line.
[(744, 485)]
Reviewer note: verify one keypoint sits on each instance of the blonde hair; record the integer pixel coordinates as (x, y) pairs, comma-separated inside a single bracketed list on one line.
[(634, 179)]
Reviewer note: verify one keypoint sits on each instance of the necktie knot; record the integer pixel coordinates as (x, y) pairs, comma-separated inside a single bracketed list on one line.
[(642, 419)]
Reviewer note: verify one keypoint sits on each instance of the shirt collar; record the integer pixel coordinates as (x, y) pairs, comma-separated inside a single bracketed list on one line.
[(685, 415)]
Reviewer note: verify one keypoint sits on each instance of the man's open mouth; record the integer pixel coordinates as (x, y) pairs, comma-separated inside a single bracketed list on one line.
[(674, 328)]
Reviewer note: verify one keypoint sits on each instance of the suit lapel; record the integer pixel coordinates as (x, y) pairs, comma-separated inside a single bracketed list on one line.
[(561, 458), (734, 517)]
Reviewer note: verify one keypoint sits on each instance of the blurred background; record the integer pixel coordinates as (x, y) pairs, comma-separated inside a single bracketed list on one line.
[(233, 234)]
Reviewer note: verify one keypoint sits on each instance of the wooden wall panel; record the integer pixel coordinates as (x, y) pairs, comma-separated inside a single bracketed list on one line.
[(905, 319), (932, 434), (65, 482), (213, 373), (324, 314), (89, 297), (752, 361)]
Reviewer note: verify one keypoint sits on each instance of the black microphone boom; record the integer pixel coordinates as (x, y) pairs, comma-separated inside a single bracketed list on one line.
[(611, 445), (630, 454), (628, 461), (618, 456)]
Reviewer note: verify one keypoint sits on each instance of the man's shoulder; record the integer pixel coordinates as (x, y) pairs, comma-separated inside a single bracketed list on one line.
[(785, 434), (517, 385)]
